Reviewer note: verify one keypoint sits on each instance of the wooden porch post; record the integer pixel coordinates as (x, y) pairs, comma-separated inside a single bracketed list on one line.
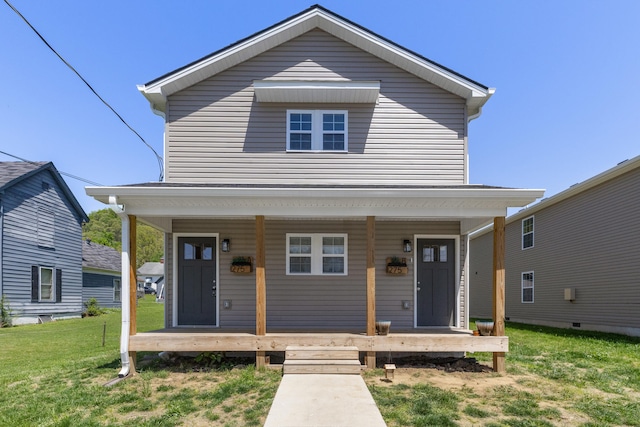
[(133, 288), (371, 286), (498, 289), (261, 289)]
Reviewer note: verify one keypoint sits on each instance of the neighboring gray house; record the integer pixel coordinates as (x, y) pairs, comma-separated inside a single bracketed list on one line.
[(40, 243), (101, 274), (572, 260), (314, 151)]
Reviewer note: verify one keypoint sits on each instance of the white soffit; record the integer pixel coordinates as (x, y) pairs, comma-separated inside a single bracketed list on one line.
[(316, 91)]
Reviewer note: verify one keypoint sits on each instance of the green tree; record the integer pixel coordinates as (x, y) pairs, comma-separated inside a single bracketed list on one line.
[(105, 227)]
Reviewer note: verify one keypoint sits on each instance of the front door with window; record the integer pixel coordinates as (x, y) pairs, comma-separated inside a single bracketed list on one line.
[(435, 263), (197, 287)]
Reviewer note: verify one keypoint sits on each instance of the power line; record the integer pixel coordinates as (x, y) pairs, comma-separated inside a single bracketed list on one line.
[(60, 172), (158, 158)]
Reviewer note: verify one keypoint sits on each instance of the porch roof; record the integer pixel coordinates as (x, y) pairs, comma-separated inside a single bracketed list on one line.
[(474, 205)]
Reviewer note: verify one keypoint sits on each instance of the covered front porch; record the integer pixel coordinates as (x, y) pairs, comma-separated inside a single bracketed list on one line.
[(174, 211)]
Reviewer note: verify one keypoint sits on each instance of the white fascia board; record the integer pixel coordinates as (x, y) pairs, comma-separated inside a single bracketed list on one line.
[(316, 91), (157, 92)]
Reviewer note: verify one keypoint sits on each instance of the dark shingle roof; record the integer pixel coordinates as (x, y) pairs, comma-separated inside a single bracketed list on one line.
[(11, 172), (100, 256)]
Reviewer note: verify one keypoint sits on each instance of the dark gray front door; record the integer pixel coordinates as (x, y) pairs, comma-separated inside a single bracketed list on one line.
[(435, 260), (197, 287)]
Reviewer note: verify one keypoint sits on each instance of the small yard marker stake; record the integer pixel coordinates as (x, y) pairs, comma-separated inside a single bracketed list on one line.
[(104, 332)]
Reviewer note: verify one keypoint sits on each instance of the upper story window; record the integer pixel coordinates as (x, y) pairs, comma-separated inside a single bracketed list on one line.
[(527, 233), (317, 254), (317, 130), (45, 227)]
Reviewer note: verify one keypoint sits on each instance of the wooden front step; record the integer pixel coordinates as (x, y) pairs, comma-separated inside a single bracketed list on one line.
[(321, 360)]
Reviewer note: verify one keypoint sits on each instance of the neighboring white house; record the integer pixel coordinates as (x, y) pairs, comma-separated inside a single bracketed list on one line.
[(572, 260)]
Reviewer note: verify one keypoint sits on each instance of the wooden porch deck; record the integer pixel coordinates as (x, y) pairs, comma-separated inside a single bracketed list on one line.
[(433, 340)]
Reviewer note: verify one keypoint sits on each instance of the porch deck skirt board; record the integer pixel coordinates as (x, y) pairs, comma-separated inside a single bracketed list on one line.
[(230, 341)]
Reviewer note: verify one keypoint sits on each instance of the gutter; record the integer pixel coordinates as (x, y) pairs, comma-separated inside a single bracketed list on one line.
[(126, 286)]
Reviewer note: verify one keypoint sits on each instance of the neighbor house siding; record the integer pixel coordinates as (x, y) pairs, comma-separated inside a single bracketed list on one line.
[(313, 302), (100, 287), (21, 250), (590, 242), (216, 132)]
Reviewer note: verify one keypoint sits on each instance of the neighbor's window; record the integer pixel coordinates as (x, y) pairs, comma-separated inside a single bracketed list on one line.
[(527, 233), (527, 286), (317, 254), (117, 290), (316, 130), (47, 284)]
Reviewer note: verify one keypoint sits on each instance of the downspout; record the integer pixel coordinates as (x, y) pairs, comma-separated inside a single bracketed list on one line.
[(1, 246), (126, 286)]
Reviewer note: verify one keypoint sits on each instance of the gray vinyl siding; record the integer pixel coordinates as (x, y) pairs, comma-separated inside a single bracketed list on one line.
[(216, 132), (590, 242), (313, 302), (481, 273), (21, 250), (100, 287)]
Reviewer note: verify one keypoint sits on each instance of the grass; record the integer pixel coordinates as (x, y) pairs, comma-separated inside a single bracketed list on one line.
[(53, 375)]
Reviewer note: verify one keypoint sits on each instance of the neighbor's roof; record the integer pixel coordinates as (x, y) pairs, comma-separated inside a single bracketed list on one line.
[(157, 91), (12, 173), (100, 257), (620, 169), (151, 269)]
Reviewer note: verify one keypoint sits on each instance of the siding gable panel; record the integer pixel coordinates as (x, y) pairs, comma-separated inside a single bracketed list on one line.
[(415, 135)]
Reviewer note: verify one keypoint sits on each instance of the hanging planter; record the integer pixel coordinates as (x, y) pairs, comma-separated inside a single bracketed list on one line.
[(397, 266), (241, 264)]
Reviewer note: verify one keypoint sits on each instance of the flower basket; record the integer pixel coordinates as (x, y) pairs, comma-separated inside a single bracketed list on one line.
[(397, 266), (242, 265)]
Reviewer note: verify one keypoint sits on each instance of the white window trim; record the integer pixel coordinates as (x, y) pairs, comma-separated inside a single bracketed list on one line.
[(317, 131), (532, 287), (317, 255), (118, 280), (53, 284), (532, 232)]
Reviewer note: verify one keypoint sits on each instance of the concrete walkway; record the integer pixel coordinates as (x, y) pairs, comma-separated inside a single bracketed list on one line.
[(323, 400)]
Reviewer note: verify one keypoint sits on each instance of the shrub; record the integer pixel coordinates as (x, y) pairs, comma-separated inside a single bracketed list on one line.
[(5, 313), (92, 308)]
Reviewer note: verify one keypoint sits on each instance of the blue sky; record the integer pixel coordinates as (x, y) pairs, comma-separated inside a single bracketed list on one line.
[(563, 110)]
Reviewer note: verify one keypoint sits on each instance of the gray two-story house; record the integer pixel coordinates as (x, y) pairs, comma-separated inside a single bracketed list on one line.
[(40, 243), (316, 152), (573, 259)]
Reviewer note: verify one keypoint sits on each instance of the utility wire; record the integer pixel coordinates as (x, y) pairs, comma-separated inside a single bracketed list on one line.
[(158, 157), (60, 172)]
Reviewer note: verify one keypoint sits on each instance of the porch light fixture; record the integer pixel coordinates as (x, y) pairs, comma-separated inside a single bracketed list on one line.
[(406, 246), (226, 245)]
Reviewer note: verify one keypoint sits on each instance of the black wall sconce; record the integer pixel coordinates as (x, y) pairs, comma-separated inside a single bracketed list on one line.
[(226, 245), (406, 246)]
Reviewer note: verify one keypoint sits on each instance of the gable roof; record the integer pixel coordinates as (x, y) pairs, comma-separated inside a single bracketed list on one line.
[(12, 173), (100, 257), (157, 91), (151, 269), (620, 169)]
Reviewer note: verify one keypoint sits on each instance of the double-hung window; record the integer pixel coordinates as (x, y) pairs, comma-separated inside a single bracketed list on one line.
[(527, 233), (47, 284), (527, 287), (317, 130), (117, 290), (317, 254)]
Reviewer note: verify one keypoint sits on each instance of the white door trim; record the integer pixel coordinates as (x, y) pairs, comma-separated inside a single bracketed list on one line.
[(174, 287), (456, 243)]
